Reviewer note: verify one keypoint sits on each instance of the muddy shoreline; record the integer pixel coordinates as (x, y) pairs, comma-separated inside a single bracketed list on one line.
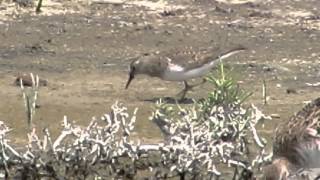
[(83, 50)]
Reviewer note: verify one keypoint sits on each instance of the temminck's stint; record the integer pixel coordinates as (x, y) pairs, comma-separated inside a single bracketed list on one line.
[(178, 66)]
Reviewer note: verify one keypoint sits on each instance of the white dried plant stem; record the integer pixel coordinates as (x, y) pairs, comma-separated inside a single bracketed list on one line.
[(193, 142), (23, 93), (32, 79), (256, 136)]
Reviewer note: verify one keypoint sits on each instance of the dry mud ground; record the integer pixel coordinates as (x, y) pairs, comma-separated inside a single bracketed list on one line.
[(83, 49)]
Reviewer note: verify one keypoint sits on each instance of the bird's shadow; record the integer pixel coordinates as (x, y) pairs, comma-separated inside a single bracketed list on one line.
[(171, 100)]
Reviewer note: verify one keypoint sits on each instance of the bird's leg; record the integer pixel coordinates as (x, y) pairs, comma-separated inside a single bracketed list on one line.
[(184, 91), (187, 88)]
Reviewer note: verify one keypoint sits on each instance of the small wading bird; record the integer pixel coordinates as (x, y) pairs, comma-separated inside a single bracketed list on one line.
[(296, 146), (178, 66)]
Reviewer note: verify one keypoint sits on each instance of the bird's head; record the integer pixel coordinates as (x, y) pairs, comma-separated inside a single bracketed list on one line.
[(134, 68)]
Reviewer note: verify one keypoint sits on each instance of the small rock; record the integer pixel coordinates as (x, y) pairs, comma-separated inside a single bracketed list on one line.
[(291, 91), (167, 13), (251, 65), (267, 68), (27, 80), (24, 3), (224, 10), (275, 115)]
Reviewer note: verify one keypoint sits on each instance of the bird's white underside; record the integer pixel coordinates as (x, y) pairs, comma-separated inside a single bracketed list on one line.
[(174, 72), (177, 73)]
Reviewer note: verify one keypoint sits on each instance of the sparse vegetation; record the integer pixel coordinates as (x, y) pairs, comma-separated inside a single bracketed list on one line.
[(198, 141), (225, 91), (30, 97), (217, 130)]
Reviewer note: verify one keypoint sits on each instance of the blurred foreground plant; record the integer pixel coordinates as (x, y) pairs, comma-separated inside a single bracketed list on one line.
[(78, 152), (215, 131), (30, 97)]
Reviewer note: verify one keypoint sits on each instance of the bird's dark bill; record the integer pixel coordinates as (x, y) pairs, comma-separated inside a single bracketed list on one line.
[(131, 76)]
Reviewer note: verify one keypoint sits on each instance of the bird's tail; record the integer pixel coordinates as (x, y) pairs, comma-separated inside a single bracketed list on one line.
[(229, 53), (232, 52)]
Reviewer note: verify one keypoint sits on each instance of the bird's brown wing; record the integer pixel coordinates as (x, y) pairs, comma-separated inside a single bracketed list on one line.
[(295, 127), (295, 132), (190, 58)]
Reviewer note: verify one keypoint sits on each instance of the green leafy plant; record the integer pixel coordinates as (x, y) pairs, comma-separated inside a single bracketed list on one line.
[(225, 90)]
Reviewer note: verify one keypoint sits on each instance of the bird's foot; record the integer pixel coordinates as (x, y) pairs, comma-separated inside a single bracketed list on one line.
[(182, 94)]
